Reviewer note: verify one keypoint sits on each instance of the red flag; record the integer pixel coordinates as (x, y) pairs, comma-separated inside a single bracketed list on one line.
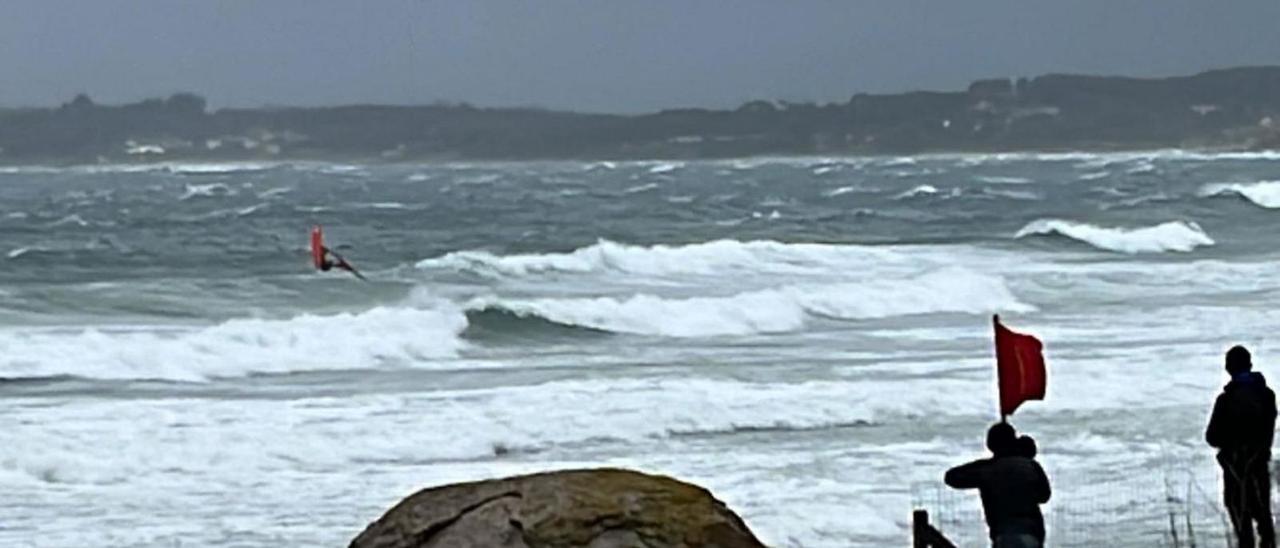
[(1020, 366)]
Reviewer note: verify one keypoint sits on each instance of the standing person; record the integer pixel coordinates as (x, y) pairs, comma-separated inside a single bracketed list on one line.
[(1012, 487), (1241, 428)]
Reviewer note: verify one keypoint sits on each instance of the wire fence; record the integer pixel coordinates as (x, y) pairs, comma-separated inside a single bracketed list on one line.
[(1174, 505)]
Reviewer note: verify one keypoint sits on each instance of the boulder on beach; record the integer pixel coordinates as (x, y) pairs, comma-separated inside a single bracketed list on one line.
[(598, 508)]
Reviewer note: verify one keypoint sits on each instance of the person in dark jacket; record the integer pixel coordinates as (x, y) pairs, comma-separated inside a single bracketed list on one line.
[(1241, 428), (1012, 487)]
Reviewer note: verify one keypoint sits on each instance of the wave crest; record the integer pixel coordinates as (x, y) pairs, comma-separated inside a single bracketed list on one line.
[(236, 348), (1177, 236), (719, 256), (1262, 193), (775, 310)]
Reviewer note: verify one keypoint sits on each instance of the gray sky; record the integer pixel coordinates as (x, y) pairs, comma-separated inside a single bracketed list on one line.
[(599, 55)]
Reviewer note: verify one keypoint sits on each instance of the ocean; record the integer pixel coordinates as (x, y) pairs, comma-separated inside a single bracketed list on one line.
[(809, 338)]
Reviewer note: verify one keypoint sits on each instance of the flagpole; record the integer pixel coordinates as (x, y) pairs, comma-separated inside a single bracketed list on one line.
[(995, 323)]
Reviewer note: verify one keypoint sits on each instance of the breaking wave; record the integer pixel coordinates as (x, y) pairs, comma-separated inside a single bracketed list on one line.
[(717, 256), (378, 337), (1262, 193), (922, 190), (996, 180), (838, 191), (1178, 236), (69, 220), (665, 168), (775, 310), (207, 191)]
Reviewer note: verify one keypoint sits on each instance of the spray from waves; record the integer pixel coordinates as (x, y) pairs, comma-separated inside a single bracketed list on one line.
[(1178, 236), (381, 336), (788, 308), (1262, 193), (719, 256)]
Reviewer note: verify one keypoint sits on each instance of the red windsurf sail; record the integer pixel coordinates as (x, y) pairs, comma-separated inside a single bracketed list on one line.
[(317, 246)]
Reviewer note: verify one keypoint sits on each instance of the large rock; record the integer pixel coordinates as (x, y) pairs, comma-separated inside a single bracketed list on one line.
[(605, 508)]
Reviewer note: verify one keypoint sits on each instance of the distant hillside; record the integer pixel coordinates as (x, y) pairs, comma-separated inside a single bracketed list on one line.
[(1234, 108)]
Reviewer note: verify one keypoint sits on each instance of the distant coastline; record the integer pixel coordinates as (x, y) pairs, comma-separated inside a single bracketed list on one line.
[(1234, 109)]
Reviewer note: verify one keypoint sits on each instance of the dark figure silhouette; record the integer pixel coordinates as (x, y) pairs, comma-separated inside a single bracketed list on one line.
[(1241, 428), (1012, 487), (1026, 447)]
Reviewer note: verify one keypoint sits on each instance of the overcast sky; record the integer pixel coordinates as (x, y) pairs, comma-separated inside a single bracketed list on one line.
[(599, 55)]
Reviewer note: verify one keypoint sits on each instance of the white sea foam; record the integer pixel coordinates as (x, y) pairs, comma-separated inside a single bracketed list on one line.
[(1094, 175), (838, 191), (823, 170), (1179, 236), (211, 169), (206, 191), (250, 210), (275, 192), (384, 205), (640, 188), (998, 180), (480, 179), (922, 190), (787, 308), (18, 252), (231, 436), (714, 257), (1024, 195), (337, 169), (16, 170), (384, 336), (1143, 167), (665, 168), (69, 220), (902, 161), (1262, 193)]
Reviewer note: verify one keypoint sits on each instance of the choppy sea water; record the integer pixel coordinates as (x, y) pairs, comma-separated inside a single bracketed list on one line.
[(808, 338)]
